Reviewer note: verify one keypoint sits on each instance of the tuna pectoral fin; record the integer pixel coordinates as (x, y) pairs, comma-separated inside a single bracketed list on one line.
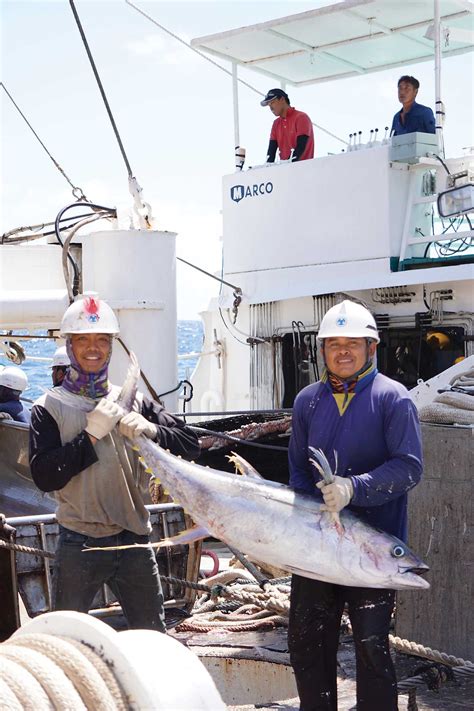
[(196, 533), (190, 535)]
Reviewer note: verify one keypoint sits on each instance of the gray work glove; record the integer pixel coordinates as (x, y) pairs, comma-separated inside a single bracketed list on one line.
[(5, 416), (103, 418), (132, 425), (336, 495)]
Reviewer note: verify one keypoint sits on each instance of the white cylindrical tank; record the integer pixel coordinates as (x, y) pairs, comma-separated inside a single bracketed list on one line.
[(135, 272), (41, 309)]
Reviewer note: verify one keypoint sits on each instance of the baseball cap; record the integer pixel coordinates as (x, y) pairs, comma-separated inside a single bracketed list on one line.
[(274, 94)]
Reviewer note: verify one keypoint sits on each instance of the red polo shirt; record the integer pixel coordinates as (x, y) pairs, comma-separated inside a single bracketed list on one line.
[(286, 130)]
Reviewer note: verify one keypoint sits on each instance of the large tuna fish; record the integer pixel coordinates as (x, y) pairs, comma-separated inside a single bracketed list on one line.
[(273, 524)]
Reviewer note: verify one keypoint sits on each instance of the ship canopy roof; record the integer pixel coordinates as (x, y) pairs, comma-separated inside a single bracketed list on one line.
[(345, 39)]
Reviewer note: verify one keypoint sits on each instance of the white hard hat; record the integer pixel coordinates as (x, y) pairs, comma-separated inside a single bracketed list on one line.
[(88, 314), (13, 378), (60, 357), (349, 320)]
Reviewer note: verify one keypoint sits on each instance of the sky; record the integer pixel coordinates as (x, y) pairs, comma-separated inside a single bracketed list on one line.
[(173, 111)]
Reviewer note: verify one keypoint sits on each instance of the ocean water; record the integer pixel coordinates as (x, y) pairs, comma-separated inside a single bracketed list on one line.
[(190, 335)]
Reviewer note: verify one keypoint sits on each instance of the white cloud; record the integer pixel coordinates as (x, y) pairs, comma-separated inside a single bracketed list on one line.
[(168, 51)]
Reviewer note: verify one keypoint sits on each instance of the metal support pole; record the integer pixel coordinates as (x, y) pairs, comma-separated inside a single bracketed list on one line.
[(439, 108), (235, 99)]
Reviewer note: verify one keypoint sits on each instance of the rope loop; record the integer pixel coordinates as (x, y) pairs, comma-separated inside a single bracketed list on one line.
[(79, 194)]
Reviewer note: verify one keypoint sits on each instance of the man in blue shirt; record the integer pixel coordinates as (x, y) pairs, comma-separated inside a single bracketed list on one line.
[(371, 423), (412, 117)]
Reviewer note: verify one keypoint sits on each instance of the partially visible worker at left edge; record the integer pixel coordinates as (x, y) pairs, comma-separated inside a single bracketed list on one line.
[(412, 116), (13, 382), (98, 480), (292, 130)]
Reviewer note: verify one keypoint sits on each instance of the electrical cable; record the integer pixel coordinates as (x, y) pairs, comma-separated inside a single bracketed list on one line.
[(73, 289), (442, 163), (90, 205), (446, 249), (227, 327), (6, 235), (57, 230), (173, 390)]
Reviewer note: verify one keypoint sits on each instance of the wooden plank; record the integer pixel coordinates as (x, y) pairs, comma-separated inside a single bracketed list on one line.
[(10, 617), (440, 531)]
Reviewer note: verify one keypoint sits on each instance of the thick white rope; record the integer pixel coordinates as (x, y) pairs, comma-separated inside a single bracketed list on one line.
[(419, 650), (9, 699), (105, 673), (40, 672), (80, 671), (24, 685), (56, 684)]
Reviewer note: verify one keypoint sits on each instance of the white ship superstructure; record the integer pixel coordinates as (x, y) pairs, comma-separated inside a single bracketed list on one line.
[(362, 224)]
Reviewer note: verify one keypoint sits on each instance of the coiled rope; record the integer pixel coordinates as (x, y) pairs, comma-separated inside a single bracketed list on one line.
[(42, 671)]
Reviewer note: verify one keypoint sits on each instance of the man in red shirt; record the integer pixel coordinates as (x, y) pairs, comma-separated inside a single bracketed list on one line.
[(292, 131)]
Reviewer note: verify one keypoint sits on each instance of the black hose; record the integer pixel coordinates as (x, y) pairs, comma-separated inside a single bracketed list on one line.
[(230, 413), (442, 163), (91, 205), (58, 234), (239, 440)]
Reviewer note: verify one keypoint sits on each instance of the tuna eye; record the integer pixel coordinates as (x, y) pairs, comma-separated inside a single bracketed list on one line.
[(398, 551)]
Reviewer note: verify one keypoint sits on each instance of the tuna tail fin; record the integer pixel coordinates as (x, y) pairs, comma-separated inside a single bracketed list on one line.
[(324, 468), (322, 465), (129, 389)]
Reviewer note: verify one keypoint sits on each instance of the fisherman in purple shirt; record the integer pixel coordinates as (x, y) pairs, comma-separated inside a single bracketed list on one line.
[(412, 117), (371, 423)]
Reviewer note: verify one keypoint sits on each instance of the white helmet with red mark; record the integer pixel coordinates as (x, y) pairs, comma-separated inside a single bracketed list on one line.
[(89, 314)]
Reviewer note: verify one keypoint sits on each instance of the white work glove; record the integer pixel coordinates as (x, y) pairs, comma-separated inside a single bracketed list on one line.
[(5, 416), (133, 425), (103, 418), (336, 495)]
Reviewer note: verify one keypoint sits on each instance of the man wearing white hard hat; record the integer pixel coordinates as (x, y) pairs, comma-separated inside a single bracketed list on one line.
[(99, 483), (60, 365), (371, 423), (13, 382)]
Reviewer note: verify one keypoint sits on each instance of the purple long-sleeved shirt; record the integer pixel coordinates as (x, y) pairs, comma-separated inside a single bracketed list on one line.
[(378, 445)]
